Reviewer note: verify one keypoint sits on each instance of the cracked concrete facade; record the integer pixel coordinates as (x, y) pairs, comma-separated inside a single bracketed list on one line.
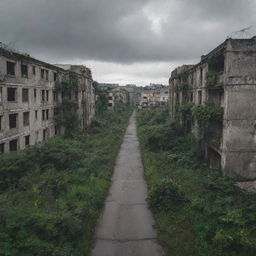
[(233, 64), (28, 101)]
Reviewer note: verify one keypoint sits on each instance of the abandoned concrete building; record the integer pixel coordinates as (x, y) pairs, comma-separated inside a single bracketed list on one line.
[(154, 97), (216, 100), (28, 99), (117, 95)]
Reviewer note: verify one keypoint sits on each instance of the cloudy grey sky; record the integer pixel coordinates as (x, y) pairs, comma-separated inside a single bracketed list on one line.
[(123, 41)]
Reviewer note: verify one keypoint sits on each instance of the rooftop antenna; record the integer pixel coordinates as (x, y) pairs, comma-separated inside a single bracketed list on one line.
[(240, 34)]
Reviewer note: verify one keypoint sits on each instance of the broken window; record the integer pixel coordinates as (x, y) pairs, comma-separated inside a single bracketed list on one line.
[(55, 111), (45, 134), (43, 95), (43, 115), (11, 94), (55, 96), (199, 97), (46, 75), (47, 114), (13, 145), (47, 95), (201, 76), (42, 73), (34, 70), (27, 140), (216, 63), (25, 96), (13, 121), (1, 94), (10, 68), (1, 123), (24, 70), (26, 118), (55, 76), (56, 130), (2, 148)]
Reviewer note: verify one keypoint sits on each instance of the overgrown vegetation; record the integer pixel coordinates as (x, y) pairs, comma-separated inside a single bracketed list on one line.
[(102, 100), (206, 113), (198, 211), (52, 194), (66, 115), (211, 78)]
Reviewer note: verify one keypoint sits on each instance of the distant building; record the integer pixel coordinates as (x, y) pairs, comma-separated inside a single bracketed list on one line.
[(116, 96), (154, 96)]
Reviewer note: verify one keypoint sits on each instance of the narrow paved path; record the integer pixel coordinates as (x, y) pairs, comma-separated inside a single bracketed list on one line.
[(126, 226)]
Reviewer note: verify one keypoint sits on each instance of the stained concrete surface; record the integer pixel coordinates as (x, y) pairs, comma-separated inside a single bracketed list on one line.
[(126, 225)]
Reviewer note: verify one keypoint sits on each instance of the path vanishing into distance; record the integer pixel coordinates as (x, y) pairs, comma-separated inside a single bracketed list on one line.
[(126, 225)]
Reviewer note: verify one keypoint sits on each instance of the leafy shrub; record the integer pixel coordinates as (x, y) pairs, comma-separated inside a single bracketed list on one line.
[(211, 79), (165, 195)]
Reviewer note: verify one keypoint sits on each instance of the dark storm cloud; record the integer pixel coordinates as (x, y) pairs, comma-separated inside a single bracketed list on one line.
[(122, 31)]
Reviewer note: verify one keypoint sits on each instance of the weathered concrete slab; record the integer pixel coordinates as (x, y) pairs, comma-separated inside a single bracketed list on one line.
[(126, 225)]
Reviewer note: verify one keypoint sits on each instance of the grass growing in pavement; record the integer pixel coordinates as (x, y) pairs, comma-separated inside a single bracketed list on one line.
[(197, 210), (52, 194)]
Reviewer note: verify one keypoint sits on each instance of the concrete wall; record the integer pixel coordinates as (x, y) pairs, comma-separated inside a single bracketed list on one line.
[(38, 128), (239, 140), (235, 92)]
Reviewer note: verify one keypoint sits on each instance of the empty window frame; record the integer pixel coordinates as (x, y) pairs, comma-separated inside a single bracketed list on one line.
[(26, 118), (201, 76), (47, 114), (11, 94), (43, 95), (43, 115), (10, 66), (27, 140), (1, 123), (199, 97), (55, 96), (42, 73), (45, 134), (24, 70), (36, 114), (1, 94), (56, 130), (47, 75), (2, 148), (25, 95), (35, 94), (13, 145), (47, 95), (34, 70), (55, 76), (13, 121)]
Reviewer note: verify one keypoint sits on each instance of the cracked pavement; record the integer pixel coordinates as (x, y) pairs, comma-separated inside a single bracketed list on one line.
[(126, 225)]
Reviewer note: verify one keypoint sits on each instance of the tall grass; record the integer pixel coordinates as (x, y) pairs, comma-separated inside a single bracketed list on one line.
[(52, 194), (197, 210)]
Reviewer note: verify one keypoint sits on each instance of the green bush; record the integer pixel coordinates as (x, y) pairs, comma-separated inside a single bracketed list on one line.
[(165, 195)]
